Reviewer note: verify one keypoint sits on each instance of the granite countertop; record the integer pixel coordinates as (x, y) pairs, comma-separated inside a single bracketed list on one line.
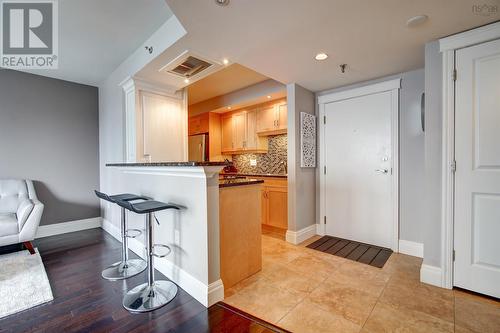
[(159, 164), (238, 182), (277, 175)]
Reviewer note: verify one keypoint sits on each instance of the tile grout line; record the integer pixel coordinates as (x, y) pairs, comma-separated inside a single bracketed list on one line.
[(377, 302)]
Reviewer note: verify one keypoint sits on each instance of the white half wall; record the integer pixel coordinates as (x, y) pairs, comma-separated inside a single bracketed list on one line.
[(192, 233)]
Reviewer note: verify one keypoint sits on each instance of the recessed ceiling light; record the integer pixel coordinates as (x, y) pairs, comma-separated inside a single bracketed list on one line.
[(225, 61), (186, 80), (268, 96), (229, 108), (321, 56), (222, 2), (416, 20)]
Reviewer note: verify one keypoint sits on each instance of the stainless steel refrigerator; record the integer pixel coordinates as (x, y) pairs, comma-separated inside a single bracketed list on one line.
[(198, 148)]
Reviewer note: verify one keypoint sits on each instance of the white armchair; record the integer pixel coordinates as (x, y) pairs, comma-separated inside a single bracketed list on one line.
[(20, 212)]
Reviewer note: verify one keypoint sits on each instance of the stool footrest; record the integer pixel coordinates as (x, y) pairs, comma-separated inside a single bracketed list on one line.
[(157, 255), (133, 233)]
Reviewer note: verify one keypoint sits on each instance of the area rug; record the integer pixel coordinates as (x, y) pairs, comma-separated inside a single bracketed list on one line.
[(23, 282), (364, 253)]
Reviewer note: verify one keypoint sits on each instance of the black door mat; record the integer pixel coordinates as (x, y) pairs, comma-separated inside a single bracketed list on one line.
[(365, 253)]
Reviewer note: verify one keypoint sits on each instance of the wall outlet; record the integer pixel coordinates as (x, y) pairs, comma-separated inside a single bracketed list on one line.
[(253, 162)]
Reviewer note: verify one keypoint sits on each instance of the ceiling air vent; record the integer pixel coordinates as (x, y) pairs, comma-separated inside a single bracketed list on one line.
[(190, 66)]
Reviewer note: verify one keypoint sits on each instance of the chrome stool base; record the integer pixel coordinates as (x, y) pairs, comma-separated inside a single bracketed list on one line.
[(145, 298), (120, 270)]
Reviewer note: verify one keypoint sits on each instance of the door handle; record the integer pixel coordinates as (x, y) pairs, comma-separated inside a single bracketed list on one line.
[(384, 171)]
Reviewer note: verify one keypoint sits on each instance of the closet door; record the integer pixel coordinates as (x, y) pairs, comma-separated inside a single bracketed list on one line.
[(477, 176), (163, 121)]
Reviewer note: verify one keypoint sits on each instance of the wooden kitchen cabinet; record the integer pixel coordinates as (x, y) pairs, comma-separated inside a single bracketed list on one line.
[(208, 123), (252, 141), (198, 124), (272, 118), (239, 130), (227, 133), (240, 233), (274, 197), (266, 119), (282, 116), (239, 133)]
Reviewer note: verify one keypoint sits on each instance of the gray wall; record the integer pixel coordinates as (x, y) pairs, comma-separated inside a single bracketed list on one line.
[(49, 133), (412, 154), (301, 181), (412, 158), (433, 153)]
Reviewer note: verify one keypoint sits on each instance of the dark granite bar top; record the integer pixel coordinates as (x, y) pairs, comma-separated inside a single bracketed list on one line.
[(160, 164), (276, 175), (238, 182)]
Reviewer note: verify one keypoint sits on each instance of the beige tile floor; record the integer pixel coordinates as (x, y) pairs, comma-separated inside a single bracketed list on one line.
[(304, 290)]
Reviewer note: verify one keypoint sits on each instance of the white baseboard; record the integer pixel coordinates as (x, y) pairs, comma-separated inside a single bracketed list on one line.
[(431, 275), (206, 295), (65, 227), (411, 248), (297, 237), (320, 229), (215, 292)]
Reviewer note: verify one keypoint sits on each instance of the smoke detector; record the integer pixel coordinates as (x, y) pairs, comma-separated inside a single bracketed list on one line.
[(222, 2), (416, 21)]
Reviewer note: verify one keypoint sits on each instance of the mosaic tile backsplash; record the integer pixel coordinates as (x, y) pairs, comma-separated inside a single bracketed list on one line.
[(273, 162)]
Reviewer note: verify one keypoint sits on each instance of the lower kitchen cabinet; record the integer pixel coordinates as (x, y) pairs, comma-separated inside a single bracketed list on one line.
[(274, 196)]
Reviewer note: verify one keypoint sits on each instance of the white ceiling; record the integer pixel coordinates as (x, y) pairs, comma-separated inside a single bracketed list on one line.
[(279, 38), (228, 79), (95, 36)]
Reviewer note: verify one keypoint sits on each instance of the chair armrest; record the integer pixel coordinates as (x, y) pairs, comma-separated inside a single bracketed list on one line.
[(29, 228), (23, 212)]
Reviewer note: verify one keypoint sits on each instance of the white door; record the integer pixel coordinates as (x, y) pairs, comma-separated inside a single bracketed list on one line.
[(358, 180), (164, 128), (477, 177)]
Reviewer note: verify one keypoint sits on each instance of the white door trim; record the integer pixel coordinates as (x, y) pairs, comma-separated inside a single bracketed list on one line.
[(448, 47), (468, 38), (393, 86)]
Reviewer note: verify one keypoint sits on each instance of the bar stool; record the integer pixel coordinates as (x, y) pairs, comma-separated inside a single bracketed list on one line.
[(154, 293), (126, 267)]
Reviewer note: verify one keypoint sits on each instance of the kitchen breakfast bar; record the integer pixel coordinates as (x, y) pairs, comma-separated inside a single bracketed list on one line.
[(215, 239)]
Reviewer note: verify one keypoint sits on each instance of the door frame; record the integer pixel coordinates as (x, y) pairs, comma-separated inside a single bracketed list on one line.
[(392, 86), (448, 47)]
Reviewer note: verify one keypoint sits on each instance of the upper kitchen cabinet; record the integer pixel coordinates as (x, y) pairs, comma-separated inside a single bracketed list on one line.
[(210, 124), (198, 124), (227, 133), (239, 130), (272, 119), (239, 133)]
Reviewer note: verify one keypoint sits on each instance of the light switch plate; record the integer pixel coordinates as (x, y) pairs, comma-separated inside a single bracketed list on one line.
[(253, 162)]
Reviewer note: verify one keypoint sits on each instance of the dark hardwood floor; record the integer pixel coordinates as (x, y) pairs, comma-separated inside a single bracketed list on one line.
[(84, 302)]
